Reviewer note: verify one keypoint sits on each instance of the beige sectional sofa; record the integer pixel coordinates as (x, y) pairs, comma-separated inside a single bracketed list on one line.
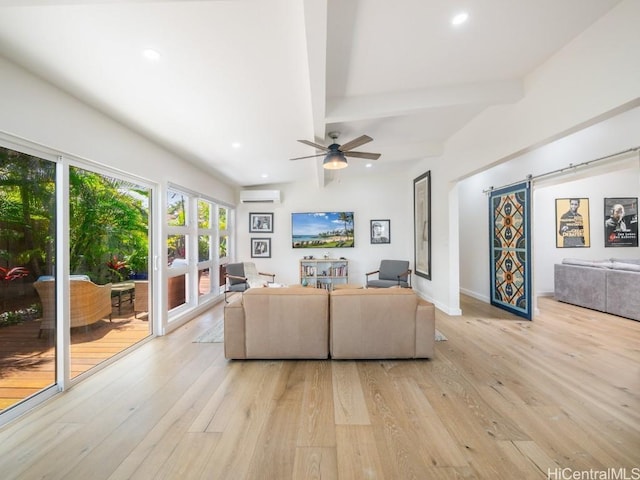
[(277, 323), (297, 322), (380, 323)]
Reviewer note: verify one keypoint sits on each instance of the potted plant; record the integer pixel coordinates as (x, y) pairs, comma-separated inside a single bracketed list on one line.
[(117, 268), (138, 263)]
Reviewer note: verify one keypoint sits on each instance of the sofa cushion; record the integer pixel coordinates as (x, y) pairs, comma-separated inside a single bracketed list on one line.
[(579, 285), (623, 294), (631, 267), (635, 261), (588, 263), (374, 323), (286, 322)]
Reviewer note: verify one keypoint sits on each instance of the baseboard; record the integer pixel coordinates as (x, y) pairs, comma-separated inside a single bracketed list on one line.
[(477, 296), (453, 312)]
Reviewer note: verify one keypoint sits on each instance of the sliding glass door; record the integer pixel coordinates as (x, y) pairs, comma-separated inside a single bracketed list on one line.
[(27, 259), (109, 267), (104, 298)]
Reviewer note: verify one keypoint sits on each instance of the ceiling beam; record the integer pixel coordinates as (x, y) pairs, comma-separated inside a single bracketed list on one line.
[(364, 107), (315, 20)]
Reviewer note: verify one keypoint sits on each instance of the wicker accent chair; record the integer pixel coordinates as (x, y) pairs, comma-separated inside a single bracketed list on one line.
[(141, 297), (89, 302)]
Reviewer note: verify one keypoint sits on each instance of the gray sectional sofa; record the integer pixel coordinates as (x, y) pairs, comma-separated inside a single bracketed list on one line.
[(611, 286)]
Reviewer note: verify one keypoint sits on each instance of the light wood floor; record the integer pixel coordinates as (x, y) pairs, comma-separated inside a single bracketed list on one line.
[(502, 399)]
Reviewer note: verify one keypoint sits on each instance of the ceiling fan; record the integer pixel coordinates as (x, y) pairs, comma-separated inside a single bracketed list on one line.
[(335, 154)]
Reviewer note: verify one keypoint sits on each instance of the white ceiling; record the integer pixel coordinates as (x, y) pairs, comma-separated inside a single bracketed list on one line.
[(265, 73)]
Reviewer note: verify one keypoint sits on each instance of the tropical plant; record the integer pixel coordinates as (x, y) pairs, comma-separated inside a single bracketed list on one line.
[(8, 275), (222, 251), (118, 268), (27, 210), (347, 219), (106, 216)]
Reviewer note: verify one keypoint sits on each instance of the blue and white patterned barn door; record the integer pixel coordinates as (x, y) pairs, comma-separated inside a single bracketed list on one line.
[(509, 211)]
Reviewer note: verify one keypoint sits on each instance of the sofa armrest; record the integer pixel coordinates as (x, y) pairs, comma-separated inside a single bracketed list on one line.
[(234, 330), (623, 293), (425, 329)]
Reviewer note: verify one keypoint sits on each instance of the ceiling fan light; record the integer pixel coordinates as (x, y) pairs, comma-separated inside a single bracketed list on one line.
[(334, 161)]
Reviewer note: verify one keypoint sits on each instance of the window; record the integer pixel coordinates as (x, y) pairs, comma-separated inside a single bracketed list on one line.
[(197, 227), (206, 243), (178, 239)]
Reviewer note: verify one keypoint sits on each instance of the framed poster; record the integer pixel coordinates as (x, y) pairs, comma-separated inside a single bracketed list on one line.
[(422, 224), (260, 248), (572, 223), (380, 231), (621, 222), (261, 223)]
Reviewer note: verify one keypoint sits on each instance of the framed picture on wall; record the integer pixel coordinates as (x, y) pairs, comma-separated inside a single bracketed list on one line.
[(260, 248), (621, 222), (261, 223), (380, 231), (572, 223), (422, 224)]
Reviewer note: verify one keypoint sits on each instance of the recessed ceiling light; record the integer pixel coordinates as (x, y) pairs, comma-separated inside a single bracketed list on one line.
[(236, 144), (151, 54), (369, 165), (460, 18), (264, 175)]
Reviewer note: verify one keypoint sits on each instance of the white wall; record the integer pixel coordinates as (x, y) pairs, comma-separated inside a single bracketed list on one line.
[(616, 178), (36, 111), (594, 77), (369, 197)]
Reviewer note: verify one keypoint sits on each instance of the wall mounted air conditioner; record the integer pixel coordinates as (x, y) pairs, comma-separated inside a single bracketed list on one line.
[(260, 196)]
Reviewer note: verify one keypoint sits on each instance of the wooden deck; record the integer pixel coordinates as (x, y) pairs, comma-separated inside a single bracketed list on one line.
[(27, 361)]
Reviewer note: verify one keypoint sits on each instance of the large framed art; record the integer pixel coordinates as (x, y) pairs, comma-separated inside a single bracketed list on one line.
[(422, 224)]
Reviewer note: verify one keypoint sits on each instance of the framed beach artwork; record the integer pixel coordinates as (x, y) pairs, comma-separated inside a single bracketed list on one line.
[(322, 230)]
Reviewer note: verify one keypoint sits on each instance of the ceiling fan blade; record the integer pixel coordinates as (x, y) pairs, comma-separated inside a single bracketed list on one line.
[(310, 156), (356, 142), (316, 145), (367, 155)]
